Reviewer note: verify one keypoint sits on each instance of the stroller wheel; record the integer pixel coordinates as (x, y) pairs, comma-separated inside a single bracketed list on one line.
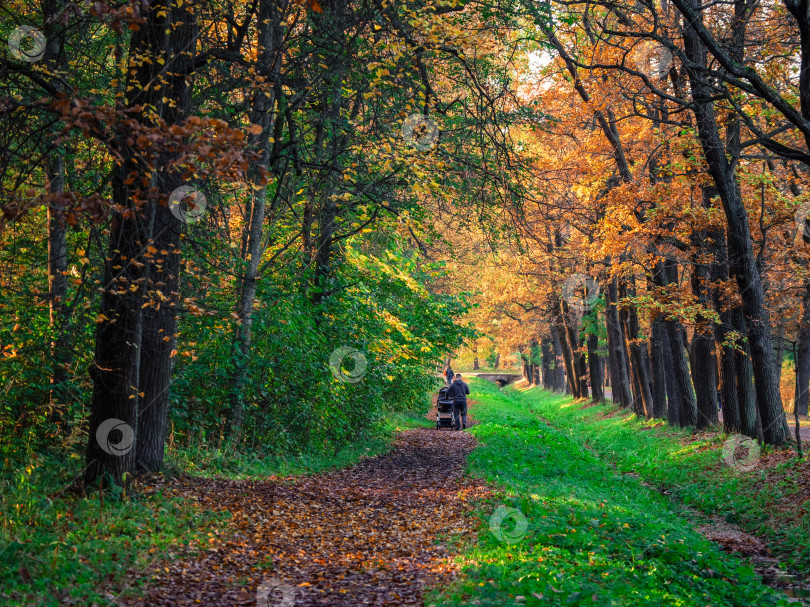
[(438, 426)]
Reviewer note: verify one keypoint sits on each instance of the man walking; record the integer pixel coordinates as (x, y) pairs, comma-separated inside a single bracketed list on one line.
[(458, 392), (448, 373)]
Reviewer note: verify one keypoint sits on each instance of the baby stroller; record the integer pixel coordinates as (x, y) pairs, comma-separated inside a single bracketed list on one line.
[(444, 410)]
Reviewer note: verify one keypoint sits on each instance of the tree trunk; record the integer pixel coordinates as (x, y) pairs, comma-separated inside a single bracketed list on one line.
[(642, 405), (595, 368), (263, 113), (54, 60), (547, 357), (618, 364), (674, 399), (133, 358), (560, 337), (741, 256), (746, 395), (578, 364), (704, 374), (702, 360), (687, 407), (659, 376), (162, 289), (159, 322), (559, 364), (527, 373), (803, 357), (779, 352), (57, 286), (727, 365)]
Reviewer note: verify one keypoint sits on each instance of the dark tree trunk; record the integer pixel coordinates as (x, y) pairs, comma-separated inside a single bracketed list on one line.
[(779, 352), (620, 379), (559, 364), (162, 294), (642, 405), (560, 336), (497, 360), (673, 386), (726, 364), (57, 288), (576, 371), (582, 367), (55, 59), (704, 374), (595, 368), (687, 412), (524, 366), (702, 359), (159, 321), (728, 388), (657, 341), (740, 251), (687, 407), (746, 394), (138, 303), (803, 357), (547, 357)]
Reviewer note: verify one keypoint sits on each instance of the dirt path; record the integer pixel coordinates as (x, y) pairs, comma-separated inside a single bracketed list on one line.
[(365, 535)]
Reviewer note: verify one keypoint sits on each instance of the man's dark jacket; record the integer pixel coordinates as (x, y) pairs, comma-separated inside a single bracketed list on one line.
[(458, 391)]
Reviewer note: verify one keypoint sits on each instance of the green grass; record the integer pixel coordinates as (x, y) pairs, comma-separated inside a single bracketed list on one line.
[(209, 462), (594, 537), (692, 470), (57, 546)]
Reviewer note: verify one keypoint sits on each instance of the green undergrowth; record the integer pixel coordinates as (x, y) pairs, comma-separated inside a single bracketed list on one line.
[(592, 537), (691, 468), (209, 462), (58, 547)]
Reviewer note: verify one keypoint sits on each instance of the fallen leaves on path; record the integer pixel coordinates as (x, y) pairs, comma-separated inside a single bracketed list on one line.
[(365, 535)]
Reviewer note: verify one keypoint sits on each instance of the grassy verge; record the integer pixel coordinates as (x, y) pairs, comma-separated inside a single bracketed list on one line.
[(692, 468), (209, 462), (592, 536), (58, 547)]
